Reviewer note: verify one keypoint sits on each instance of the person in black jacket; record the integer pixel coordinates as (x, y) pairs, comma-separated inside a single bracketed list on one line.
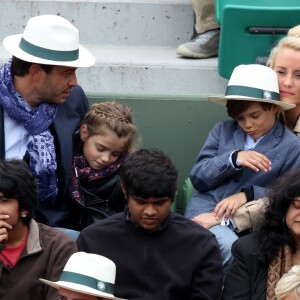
[(107, 135), (158, 254), (261, 259), (41, 106)]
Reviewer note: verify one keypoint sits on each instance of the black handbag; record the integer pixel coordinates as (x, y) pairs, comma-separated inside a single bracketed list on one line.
[(102, 201)]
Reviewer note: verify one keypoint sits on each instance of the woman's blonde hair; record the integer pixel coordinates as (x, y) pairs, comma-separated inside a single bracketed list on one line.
[(114, 116), (289, 283), (292, 41)]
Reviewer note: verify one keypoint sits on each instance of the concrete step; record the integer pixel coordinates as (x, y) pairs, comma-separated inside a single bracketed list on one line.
[(134, 42), (138, 71), (114, 22)]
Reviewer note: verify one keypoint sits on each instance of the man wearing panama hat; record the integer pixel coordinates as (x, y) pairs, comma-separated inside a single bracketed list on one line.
[(41, 106), (86, 276), (243, 156)]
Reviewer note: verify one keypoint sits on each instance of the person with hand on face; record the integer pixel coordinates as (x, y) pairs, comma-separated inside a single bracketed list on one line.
[(28, 250), (241, 157), (262, 258), (106, 136), (86, 276), (159, 254), (41, 106)]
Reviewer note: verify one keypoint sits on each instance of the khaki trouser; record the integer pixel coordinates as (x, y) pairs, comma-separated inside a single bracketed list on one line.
[(250, 215), (205, 15)]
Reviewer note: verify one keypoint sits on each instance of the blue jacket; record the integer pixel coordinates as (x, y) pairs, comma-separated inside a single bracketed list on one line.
[(213, 176)]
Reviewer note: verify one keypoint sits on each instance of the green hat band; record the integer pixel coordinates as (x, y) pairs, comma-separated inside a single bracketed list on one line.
[(251, 92), (88, 281), (47, 53)]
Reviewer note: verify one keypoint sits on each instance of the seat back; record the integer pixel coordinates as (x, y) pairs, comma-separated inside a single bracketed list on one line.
[(174, 204), (250, 29), (188, 191)]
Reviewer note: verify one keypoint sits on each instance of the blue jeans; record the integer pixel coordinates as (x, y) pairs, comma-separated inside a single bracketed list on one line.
[(70, 232), (225, 237)]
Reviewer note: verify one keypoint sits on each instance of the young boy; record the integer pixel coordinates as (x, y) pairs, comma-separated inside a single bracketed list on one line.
[(159, 254), (28, 250), (241, 157)]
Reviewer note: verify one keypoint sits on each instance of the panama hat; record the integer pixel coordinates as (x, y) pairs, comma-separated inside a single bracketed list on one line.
[(50, 40), (89, 274), (253, 82)]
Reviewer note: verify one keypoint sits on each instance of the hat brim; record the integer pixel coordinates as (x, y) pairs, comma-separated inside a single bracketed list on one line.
[(79, 288), (223, 100), (11, 44)]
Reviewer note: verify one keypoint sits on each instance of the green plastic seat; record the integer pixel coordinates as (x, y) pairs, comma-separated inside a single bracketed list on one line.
[(187, 192), (174, 204), (240, 40)]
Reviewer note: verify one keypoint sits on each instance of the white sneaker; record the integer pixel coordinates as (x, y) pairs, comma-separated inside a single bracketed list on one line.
[(202, 46)]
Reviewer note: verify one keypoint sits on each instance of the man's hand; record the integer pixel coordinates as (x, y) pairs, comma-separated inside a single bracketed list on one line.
[(254, 161), (207, 220), (4, 227), (228, 206)]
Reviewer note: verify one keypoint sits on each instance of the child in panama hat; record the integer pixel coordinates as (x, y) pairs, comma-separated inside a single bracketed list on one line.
[(241, 157), (89, 276)]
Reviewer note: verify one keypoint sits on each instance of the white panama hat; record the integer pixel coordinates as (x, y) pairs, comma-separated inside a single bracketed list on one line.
[(89, 274), (50, 40), (253, 82)]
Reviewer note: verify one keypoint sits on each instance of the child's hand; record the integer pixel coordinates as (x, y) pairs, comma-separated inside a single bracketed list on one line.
[(4, 227), (229, 206), (207, 220), (254, 161)]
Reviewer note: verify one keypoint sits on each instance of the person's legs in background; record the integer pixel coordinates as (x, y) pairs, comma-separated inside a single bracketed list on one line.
[(206, 43)]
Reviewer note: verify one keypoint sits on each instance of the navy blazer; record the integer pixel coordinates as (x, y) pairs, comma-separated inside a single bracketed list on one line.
[(65, 123)]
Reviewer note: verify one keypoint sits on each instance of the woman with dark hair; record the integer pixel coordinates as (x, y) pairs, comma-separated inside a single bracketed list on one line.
[(261, 259)]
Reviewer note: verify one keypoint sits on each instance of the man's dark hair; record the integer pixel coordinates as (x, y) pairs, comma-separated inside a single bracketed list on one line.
[(149, 173), (20, 67), (17, 182), (235, 107)]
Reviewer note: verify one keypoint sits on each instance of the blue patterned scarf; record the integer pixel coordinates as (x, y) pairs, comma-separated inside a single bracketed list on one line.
[(40, 146)]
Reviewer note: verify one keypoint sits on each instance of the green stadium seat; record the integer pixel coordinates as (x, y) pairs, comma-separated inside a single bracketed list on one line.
[(188, 190), (249, 29), (174, 204)]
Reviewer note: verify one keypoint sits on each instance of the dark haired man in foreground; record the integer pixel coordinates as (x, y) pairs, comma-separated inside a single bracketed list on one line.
[(159, 254)]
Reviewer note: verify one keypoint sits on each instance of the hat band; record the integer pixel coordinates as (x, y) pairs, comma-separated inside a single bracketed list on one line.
[(47, 53), (88, 281), (251, 92)]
